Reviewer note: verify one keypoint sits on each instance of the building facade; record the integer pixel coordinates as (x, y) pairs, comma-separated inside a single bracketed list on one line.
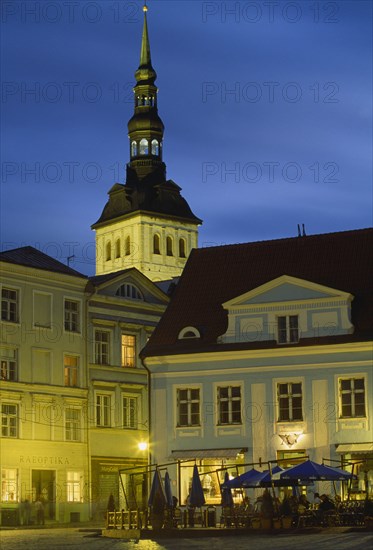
[(267, 359), (73, 393)]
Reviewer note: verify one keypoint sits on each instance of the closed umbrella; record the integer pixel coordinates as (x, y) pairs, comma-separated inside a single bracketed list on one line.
[(168, 490), (157, 498), (196, 497), (226, 493)]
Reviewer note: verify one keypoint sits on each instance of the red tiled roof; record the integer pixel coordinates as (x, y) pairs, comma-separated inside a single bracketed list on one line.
[(215, 275)]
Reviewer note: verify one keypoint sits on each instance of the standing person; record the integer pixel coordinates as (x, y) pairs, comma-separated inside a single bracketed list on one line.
[(39, 508)]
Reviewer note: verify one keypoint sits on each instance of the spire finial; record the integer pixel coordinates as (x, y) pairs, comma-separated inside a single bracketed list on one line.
[(145, 7)]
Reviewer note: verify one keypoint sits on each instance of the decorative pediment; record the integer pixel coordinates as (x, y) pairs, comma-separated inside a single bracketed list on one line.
[(286, 289)]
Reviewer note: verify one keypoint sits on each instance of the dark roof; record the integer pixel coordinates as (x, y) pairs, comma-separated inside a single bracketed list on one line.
[(212, 276), (31, 257)]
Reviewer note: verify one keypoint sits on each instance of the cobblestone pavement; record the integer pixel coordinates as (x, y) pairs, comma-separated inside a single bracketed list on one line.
[(60, 539)]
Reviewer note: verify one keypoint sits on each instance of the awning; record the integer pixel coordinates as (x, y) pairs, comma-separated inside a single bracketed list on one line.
[(208, 453), (353, 448)]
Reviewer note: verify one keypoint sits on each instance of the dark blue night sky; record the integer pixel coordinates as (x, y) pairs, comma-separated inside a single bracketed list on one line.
[(267, 108)]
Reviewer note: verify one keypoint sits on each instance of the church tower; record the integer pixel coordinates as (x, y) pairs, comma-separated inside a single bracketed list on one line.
[(146, 223)]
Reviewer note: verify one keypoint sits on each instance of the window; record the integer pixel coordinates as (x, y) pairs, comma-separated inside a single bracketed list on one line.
[(229, 405), (9, 305), (156, 245), (169, 247), (103, 411), (130, 411), (182, 248), (9, 420), (128, 290), (352, 397), (128, 350), (189, 332), (144, 147), (289, 402), (9, 485), (8, 364), (72, 316), (188, 406), (287, 327), (71, 366), (74, 487), (102, 347), (42, 310), (108, 251), (72, 424), (155, 147), (134, 149), (127, 246), (117, 248)]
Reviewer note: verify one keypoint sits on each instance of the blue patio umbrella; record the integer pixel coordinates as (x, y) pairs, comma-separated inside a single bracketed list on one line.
[(157, 497), (196, 497), (226, 493), (312, 471), (168, 490), (238, 481)]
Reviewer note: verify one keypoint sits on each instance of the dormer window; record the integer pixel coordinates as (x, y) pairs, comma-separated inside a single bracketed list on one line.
[(144, 147), (134, 149), (155, 147), (128, 290), (188, 333), (287, 329)]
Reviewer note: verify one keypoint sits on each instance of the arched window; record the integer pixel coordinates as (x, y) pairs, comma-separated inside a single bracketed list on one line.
[(189, 332), (182, 248), (128, 290), (108, 251), (169, 246), (144, 147), (134, 149), (156, 245), (117, 248), (127, 246), (155, 147)]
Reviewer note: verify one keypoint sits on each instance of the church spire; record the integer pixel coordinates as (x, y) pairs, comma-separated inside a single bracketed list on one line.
[(145, 58)]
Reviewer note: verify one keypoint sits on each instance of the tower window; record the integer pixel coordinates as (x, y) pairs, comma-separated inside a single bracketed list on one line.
[(155, 147), (156, 245), (127, 247), (144, 147), (117, 248), (108, 251), (134, 149), (182, 248), (169, 246)]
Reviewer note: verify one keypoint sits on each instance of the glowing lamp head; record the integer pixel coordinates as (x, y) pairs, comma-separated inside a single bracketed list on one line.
[(143, 445)]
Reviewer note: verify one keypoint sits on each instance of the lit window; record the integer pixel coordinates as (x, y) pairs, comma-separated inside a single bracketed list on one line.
[(74, 487), (134, 149), (8, 364), (156, 245), (9, 485), (155, 147), (352, 397), (289, 402), (229, 405), (130, 408), (72, 424), (169, 247), (288, 332), (127, 290), (71, 366), (103, 411), (72, 316), (102, 347), (128, 350), (144, 147), (182, 248), (188, 407), (9, 305), (9, 420)]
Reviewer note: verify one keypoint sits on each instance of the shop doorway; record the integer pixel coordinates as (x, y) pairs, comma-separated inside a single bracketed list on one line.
[(44, 487)]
